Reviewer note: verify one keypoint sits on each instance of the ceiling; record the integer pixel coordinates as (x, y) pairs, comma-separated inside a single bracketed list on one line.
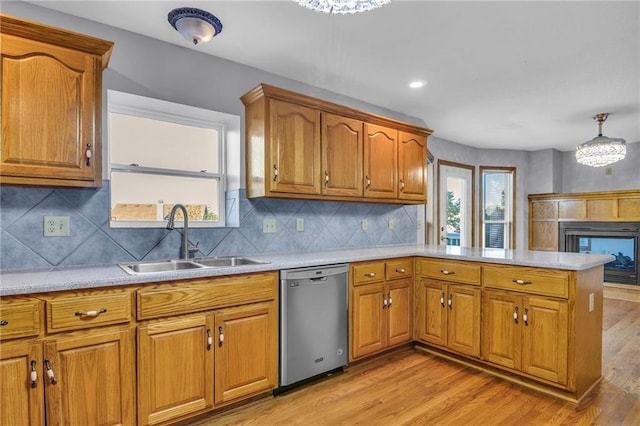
[(505, 74)]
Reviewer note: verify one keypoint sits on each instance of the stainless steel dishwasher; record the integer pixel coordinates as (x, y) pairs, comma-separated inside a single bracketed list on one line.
[(313, 322)]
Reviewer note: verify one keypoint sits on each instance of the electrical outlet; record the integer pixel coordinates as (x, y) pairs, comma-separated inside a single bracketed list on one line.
[(592, 302), (56, 226), (392, 224), (300, 224), (365, 224), (268, 226), (419, 224), (608, 171)]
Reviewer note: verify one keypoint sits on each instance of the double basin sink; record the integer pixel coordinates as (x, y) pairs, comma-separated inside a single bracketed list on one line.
[(181, 265)]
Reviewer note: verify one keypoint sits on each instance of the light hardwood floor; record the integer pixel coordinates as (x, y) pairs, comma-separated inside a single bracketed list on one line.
[(413, 388)]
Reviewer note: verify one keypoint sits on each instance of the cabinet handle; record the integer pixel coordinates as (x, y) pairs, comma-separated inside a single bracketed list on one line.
[(522, 282), (88, 154), (368, 181), (52, 377), (401, 186), (445, 272), (450, 302), (515, 315), (385, 302), (209, 339), (326, 178), (220, 336), (3, 323), (275, 173), (442, 300), (401, 270), (525, 316), (34, 374), (370, 274), (91, 313), (390, 300)]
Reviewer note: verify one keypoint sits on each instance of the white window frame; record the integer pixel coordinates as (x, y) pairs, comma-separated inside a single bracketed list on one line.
[(510, 205), (156, 109)]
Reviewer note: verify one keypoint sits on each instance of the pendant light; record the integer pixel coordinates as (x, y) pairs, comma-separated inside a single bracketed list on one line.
[(601, 150), (195, 25)]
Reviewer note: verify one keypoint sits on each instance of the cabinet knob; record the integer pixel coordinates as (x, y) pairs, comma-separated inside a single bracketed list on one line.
[(34, 374), (368, 181), (220, 336), (209, 339), (88, 155), (275, 172), (525, 316), (402, 186), (390, 300), (442, 300), (3, 323), (385, 302), (450, 302), (401, 270), (370, 274), (515, 315), (326, 178), (52, 377)]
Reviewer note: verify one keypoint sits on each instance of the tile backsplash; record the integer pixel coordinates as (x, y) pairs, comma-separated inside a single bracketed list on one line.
[(327, 226)]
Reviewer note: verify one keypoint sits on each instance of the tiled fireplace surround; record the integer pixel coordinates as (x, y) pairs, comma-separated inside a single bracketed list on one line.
[(327, 226)]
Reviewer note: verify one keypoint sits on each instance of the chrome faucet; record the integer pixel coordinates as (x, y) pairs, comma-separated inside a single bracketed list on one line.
[(186, 248)]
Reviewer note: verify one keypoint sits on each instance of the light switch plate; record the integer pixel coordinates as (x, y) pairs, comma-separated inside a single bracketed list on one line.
[(300, 224), (392, 224), (365, 224), (56, 226)]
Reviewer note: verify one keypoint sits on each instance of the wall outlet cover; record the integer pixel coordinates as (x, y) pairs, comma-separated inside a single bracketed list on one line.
[(300, 224), (56, 226), (268, 226)]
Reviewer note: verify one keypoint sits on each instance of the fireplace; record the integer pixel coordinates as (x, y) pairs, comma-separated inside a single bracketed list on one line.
[(619, 239)]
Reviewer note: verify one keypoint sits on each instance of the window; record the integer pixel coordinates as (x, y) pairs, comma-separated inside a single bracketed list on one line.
[(161, 154), (497, 216)]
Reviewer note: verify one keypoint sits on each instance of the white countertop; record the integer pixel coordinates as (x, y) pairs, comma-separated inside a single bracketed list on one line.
[(73, 278)]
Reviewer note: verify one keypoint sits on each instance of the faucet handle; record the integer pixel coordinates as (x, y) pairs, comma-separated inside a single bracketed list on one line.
[(194, 249)]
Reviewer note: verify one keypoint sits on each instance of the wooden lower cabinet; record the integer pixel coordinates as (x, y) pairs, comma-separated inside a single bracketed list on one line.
[(527, 334), (175, 368), (91, 377), (246, 351), (448, 315), (21, 394)]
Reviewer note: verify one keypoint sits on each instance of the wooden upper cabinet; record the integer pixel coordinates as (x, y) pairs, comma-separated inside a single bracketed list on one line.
[(412, 167), (342, 145), (380, 162), (302, 147), (294, 148), (51, 105)]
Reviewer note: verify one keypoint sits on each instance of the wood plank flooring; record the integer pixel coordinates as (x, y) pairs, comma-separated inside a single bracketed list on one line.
[(413, 388)]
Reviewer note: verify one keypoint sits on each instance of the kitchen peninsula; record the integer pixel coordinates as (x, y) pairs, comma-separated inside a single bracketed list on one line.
[(515, 298)]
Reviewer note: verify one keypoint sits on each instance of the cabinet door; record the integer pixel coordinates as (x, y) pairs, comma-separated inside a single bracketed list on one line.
[(49, 122), (501, 334), (464, 319), (544, 339), (246, 351), (294, 147), (399, 312), (380, 162), (368, 334), (94, 374), (341, 156), (432, 312), (412, 167), (21, 397), (175, 368)]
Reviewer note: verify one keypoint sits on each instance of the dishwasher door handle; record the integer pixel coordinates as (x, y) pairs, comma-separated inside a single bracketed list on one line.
[(315, 280)]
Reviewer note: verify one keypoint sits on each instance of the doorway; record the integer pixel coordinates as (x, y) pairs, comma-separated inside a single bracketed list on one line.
[(455, 204)]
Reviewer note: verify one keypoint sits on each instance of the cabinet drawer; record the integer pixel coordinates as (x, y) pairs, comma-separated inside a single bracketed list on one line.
[(399, 268), (182, 297), (547, 282), (450, 270), (368, 272), (85, 310), (20, 317)]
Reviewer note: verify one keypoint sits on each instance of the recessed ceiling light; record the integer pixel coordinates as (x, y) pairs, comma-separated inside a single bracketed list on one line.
[(417, 84)]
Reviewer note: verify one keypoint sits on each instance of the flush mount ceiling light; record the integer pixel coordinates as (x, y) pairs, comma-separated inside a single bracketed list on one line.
[(601, 150), (416, 84), (341, 7), (195, 25)]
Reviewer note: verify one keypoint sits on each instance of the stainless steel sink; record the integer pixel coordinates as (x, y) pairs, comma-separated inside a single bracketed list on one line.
[(180, 265), (158, 266), (228, 261)]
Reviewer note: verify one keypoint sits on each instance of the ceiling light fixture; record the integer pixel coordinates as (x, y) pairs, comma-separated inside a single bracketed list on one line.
[(341, 7), (601, 150), (417, 84), (195, 25)]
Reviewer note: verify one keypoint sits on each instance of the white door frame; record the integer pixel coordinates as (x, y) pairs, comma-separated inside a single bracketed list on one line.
[(465, 172)]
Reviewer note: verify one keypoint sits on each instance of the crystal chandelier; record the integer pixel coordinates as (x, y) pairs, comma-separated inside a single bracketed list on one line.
[(601, 150), (341, 7)]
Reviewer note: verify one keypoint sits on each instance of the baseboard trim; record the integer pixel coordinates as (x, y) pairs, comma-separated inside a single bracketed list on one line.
[(621, 292)]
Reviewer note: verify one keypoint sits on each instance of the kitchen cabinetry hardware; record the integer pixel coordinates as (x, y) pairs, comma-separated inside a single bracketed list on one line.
[(525, 316), (370, 274), (34, 374), (385, 302), (52, 377), (366, 178), (445, 272), (515, 315), (91, 313), (401, 270), (88, 155), (390, 300), (3, 323), (402, 185), (450, 302), (221, 336), (442, 300), (209, 339), (522, 282), (275, 172), (326, 178)]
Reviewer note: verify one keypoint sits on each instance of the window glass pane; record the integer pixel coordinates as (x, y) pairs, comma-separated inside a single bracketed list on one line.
[(494, 235), (150, 196), (162, 144), (494, 196)]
